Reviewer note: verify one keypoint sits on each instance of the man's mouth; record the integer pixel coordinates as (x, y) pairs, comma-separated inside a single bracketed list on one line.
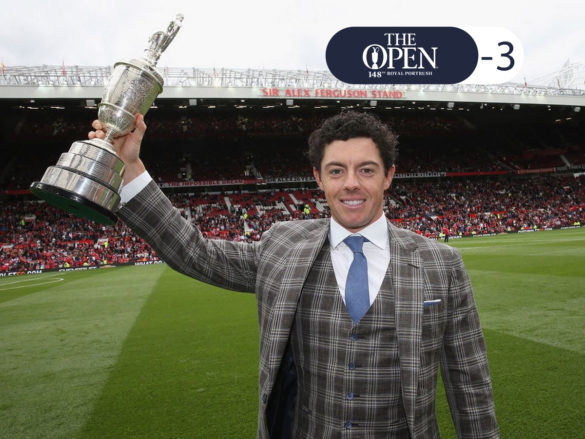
[(353, 203)]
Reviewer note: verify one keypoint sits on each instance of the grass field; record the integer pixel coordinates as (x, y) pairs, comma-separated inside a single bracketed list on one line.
[(143, 352)]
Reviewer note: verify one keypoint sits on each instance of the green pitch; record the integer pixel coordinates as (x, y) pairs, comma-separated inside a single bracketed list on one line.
[(143, 352)]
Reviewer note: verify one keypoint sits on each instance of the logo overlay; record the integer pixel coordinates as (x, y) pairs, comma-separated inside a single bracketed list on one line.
[(423, 55)]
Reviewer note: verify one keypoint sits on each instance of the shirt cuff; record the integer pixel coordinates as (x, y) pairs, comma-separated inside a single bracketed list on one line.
[(132, 189)]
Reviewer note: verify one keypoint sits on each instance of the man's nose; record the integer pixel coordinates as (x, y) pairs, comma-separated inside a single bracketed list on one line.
[(352, 180)]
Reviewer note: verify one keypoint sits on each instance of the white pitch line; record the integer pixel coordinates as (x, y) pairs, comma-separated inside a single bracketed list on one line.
[(20, 279), (43, 282)]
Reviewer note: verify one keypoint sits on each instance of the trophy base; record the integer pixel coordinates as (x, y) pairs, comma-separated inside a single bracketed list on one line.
[(73, 203), (86, 181)]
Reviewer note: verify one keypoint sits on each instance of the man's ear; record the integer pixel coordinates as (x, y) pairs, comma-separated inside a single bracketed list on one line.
[(317, 178), (389, 177)]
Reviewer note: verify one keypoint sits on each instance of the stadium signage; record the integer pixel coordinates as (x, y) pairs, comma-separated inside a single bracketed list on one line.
[(336, 93), (65, 270), (207, 183), (402, 55), (20, 273), (62, 270), (420, 174)]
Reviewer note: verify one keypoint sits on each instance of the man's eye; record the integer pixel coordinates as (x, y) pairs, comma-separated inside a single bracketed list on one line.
[(367, 170), (335, 171)]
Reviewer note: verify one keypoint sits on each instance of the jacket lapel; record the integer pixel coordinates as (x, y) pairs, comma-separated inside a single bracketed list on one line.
[(300, 258), (407, 282)]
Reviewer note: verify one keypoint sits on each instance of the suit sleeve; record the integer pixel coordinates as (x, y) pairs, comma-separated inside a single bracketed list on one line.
[(464, 363), (179, 243)]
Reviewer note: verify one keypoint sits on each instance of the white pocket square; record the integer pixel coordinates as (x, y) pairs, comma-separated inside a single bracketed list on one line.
[(432, 302)]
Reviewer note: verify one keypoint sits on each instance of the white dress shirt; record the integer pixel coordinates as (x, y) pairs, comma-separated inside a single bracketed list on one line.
[(131, 189), (376, 251)]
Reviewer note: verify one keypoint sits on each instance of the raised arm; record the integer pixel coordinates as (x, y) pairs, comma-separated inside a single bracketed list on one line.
[(177, 241)]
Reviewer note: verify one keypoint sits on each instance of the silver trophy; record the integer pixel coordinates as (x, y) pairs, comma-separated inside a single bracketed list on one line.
[(86, 181)]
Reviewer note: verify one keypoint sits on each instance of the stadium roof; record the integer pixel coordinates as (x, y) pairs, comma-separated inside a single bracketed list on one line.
[(86, 82)]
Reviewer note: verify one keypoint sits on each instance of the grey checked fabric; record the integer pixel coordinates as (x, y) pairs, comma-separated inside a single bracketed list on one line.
[(446, 333)]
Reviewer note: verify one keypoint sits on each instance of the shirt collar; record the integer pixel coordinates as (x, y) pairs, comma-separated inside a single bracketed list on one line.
[(376, 233)]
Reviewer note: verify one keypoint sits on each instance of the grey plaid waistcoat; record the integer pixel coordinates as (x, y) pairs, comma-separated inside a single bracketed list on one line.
[(348, 375)]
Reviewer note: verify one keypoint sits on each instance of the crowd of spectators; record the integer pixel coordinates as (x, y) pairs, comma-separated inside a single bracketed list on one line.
[(470, 207), (34, 236)]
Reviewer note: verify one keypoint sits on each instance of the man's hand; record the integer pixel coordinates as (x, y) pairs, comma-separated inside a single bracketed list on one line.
[(127, 147)]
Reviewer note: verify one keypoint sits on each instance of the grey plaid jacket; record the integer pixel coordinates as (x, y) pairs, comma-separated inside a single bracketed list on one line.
[(436, 317)]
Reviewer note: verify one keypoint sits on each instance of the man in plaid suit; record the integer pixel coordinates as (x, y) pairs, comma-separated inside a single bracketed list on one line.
[(324, 373)]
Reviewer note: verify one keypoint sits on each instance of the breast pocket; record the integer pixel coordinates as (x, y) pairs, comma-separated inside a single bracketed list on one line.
[(433, 323)]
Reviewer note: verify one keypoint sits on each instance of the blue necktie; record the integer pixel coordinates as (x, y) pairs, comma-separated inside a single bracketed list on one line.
[(357, 296)]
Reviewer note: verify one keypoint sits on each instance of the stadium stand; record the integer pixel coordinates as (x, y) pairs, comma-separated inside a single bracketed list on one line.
[(234, 174)]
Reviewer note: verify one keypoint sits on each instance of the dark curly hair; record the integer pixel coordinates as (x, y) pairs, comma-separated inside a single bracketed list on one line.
[(351, 124)]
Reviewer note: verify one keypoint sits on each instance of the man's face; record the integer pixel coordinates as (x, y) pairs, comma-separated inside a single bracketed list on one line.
[(353, 180)]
